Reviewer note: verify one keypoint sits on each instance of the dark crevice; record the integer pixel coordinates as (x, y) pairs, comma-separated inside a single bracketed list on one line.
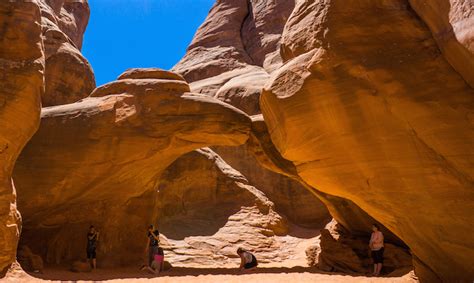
[(249, 17)]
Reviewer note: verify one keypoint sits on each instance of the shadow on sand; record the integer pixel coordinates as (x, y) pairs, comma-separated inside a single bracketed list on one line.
[(61, 273)]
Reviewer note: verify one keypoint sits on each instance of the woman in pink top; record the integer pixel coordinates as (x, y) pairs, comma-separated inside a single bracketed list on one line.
[(376, 246)]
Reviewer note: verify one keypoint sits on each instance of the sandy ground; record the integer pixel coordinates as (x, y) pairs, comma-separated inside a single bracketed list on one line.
[(196, 275)]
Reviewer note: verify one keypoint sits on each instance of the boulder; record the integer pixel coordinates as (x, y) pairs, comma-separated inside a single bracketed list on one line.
[(81, 266), (341, 251), (30, 261), (338, 257)]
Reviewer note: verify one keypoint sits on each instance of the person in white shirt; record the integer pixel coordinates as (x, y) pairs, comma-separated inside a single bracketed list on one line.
[(377, 248), (247, 260)]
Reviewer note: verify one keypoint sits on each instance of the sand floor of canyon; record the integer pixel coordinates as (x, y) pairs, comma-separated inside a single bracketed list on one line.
[(184, 275)]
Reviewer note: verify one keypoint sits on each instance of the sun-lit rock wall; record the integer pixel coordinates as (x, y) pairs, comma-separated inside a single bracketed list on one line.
[(21, 86)]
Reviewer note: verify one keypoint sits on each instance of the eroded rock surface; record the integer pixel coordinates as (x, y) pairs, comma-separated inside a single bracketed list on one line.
[(110, 148), (366, 108), (361, 107), (451, 22), (21, 87), (204, 208), (358, 122), (207, 209), (341, 251), (68, 75), (252, 30)]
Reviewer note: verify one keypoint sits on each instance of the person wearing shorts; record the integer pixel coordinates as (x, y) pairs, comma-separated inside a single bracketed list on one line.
[(153, 236), (158, 261), (377, 248), (92, 238), (247, 260)]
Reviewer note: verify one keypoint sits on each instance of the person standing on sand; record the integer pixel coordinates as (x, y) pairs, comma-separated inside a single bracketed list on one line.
[(247, 260), (152, 244), (92, 238), (377, 248)]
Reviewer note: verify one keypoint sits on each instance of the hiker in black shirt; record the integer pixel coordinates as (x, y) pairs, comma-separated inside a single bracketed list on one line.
[(152, 243), (92, 238)]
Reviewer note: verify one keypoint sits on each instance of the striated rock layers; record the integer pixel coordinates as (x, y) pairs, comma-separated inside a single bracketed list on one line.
[(206, 209), (234, 78), (104, 154), (371, 111), (451, 22), (229, 59), (360, 100), (21, 88), (364, 105)]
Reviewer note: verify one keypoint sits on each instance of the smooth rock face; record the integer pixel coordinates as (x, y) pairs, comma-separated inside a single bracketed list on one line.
[(370, 110), (217, 46), (344, 211), (68, 75), (451, 22), (261, 31), (21, 87)]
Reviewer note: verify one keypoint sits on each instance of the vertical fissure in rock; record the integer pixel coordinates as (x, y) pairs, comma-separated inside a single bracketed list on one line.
[(249, 17)]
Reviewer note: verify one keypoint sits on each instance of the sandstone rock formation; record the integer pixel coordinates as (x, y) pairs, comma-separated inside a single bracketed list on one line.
[(68, 75), (149, 122), (364, 106), (118, 129), (40, 60), (372, 130), (241, 84), (451, 22), (290, 197), (21, 87), (340, 251), (251, 31), (81, 266), (29, 261), (344, 211), (235, 49), (206, 209), (361, 110), (109, 149)]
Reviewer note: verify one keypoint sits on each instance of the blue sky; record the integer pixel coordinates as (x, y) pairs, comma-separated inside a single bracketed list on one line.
[(140, 33)]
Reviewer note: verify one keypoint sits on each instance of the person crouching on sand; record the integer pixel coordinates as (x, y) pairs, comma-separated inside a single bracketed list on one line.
[(247, 260), (377, 248)]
